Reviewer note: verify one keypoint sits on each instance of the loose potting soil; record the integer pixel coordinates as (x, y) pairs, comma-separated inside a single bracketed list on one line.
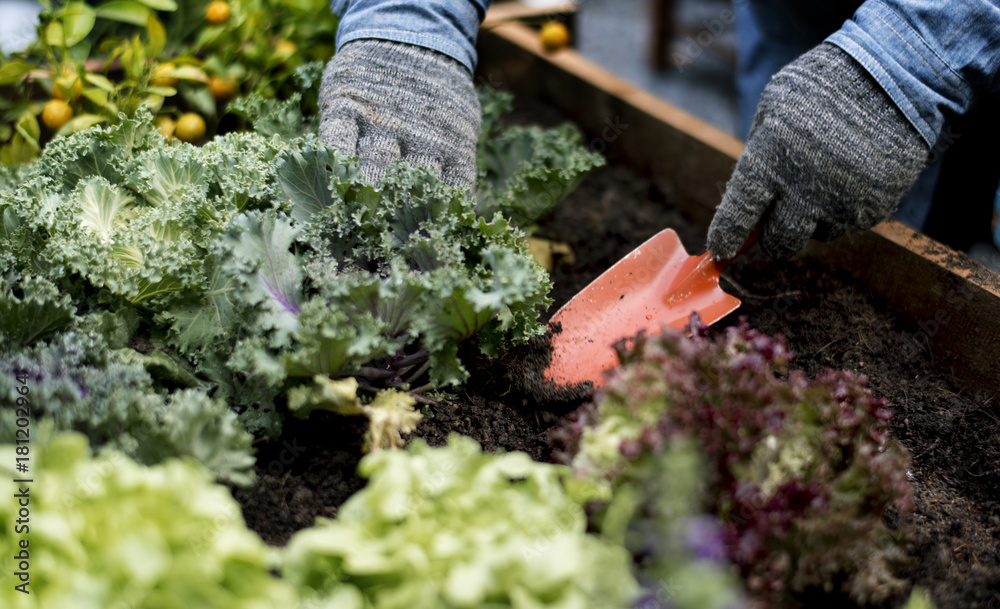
[(828, 319)]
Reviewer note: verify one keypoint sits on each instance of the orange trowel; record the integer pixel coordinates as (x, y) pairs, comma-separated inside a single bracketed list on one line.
[(658, 284)]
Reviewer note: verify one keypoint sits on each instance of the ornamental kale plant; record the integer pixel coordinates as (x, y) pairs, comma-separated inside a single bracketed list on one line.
[(447, 527), (81, 376), (254, 268), (801, 471), (524, 172)]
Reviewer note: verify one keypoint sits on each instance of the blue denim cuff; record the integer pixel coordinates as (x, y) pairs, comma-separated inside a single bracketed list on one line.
[(932, 58), (446, 26)]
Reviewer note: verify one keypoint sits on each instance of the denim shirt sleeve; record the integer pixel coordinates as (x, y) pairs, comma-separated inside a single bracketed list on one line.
[(933, 57), (446, 26)]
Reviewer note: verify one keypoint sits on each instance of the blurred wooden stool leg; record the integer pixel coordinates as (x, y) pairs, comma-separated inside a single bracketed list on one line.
[(662, 33)]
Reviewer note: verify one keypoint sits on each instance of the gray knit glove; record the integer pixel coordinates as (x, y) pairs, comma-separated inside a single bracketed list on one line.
[(387, 101), (828, 152)]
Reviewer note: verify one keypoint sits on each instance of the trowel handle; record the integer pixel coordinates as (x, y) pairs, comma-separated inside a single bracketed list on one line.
[(754, 235)]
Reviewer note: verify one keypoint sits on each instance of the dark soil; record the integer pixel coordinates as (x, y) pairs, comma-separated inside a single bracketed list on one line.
[(829, 320)]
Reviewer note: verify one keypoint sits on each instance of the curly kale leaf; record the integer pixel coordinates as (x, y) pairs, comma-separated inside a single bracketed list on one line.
[(206, 318), (371, 275), (193, 424), (79, 384), (106, 152), (495, 104), (329, 342), (31, 310), (273, 117), (259, 253), (167, 176), (145, 253), (314, 176), (259, 260), (253, 396), (241, 170), (524, 172)]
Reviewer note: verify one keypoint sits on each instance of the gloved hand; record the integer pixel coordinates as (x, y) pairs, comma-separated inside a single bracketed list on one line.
[(828, 151), (388, 101)]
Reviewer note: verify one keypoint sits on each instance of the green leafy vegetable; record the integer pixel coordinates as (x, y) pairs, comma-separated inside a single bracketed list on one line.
[(524, 172), (107, 532), (78, 383), (801, 471), (258, 261), (454, 527), (38, 312)]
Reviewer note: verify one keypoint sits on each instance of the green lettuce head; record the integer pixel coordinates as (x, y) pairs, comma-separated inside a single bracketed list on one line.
[(107, 533), (456, 527)]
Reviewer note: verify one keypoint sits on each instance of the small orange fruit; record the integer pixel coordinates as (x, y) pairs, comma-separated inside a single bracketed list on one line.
[(223, 89), (76, 90), (56, 113), (159, 77), (285, 48), (67, 82), (166, 124), (217, 12), (554, 36), (190, 128)]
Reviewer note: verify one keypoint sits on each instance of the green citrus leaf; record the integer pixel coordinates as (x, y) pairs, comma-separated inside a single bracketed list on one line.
[(78, 20), (160, 5), (157, 35), (14, 71), (124, 11)]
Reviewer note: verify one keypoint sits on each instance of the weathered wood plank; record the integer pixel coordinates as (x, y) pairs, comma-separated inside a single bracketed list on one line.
[(502, 12), (953, 303)]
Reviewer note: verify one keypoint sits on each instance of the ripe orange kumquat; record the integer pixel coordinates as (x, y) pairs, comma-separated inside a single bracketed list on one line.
[(217, 12), (56, 113), (554, 36), (190, 128)]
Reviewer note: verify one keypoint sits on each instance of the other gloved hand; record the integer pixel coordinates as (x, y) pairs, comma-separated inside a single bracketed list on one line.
[(828, 151), (388, 101)]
